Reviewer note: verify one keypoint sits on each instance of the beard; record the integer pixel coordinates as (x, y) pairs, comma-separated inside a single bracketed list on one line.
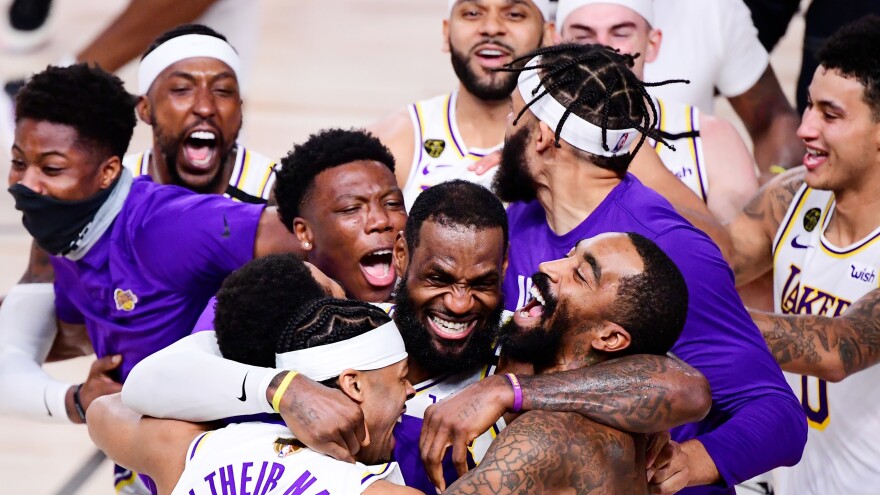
[(169, 146), (512, 181), (538, 345), (493, 89), (476, 349)]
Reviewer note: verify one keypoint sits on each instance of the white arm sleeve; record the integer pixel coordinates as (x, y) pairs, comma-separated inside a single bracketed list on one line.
[(27, 329), (191, 381)]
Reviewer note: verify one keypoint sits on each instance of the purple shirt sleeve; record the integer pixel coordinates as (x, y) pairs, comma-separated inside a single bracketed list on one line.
[(197, 239), (756, 423), (206, 319)]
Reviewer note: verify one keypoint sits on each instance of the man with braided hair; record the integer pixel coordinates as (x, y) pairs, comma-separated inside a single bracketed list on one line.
[(350, 346), (564, 167)]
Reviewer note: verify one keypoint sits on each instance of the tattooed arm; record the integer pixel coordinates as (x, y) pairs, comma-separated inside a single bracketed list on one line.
[(542, 452), (824, 347), (753, 229), (636, 393)]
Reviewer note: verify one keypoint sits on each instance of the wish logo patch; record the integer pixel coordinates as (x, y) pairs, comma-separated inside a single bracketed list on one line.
[(125, 299)]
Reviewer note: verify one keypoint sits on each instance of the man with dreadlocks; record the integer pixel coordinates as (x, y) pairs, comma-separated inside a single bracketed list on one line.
[(576, 110)]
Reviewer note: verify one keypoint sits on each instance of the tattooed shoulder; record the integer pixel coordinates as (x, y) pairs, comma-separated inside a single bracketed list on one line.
[(543, 451)]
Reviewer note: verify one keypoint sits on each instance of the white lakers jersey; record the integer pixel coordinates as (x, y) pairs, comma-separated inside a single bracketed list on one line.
[(813, 276), (680, 126), (440, 153), (251, 181), (264, 459)]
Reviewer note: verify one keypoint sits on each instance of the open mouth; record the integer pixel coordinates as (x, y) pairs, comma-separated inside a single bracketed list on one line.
[(492, 56), (376, 267), (451, 330), (533, 311), (199, 148), (813, 158)]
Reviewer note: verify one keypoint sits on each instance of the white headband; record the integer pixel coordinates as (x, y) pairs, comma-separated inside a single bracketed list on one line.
[(542, 5), (368, 351), (181, 48), (644, 8), (576, 131)]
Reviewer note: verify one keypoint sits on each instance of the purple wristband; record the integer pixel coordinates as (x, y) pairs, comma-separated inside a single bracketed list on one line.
[(517, 392)]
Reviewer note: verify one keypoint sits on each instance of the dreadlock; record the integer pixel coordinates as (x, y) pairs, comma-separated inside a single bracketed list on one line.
[(595, 83), (329, 320)]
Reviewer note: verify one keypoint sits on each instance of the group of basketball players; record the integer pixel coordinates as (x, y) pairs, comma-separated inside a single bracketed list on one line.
[(585, 335)]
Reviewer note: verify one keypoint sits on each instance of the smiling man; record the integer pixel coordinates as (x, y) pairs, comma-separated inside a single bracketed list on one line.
[(441, 138), (817, 228), (613, 295)]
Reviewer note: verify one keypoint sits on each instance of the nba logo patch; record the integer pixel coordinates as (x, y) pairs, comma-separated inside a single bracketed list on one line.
[(125, 299), (435, 147), (620, 143), (286, 446)]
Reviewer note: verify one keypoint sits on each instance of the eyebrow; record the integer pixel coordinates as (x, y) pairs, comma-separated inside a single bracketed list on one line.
[(830, 105), (42, 155), (597, 270), (189, 77), (583, 27)]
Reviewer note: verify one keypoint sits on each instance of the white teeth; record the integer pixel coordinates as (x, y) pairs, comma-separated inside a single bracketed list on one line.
[(381, 252), (537, 295), (491, 53), (206, 135), (449, 326), (815, 152)]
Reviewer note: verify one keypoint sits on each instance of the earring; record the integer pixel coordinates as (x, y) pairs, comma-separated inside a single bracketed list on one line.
[(307, 245)]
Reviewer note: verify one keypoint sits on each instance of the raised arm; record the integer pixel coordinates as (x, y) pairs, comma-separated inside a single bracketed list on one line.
[(730, 167), (173, 384), (752, 231), (828, 348)]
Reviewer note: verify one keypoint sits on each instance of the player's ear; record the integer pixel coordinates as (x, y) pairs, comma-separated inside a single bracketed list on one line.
[(143, 110), (552, 36), (611, 337), (655, 39), (109, 171), (446, 47), (304, 233), (400, 255), (351, 383), (546, 137)]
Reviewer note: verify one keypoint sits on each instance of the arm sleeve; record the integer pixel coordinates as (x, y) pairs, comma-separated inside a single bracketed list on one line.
[(744, 59), (27, 330), (190, 381), (756, 423)]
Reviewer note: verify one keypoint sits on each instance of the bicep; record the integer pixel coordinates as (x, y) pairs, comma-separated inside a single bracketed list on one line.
[(397, 133), (72, 340), (753, 229)]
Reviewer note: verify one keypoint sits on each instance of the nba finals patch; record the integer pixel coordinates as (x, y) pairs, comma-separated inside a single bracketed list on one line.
[(286, 446), (125, 299), (811, 219), (435, 147)]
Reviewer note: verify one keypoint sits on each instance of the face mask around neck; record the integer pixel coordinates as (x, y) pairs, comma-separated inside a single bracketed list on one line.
[(56, 225)]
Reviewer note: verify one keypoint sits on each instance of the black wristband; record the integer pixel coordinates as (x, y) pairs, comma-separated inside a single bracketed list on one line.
[(77, 404)]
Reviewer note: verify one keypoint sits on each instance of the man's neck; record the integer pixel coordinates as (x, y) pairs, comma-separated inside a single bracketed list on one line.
[(158, 169), (575, 352), (570, 190), (481, 123), (856, 213), (416, 373)]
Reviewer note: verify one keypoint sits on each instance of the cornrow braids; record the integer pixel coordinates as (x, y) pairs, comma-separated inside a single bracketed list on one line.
[(595, 83), (329, 320)]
